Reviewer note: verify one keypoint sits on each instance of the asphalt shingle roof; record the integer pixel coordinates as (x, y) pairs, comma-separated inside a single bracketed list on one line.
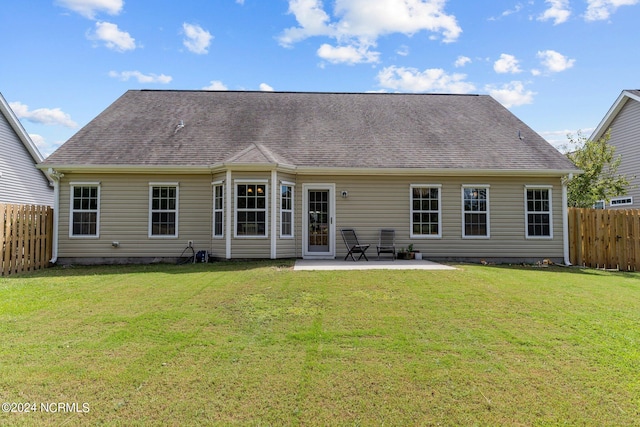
[(343, 130)]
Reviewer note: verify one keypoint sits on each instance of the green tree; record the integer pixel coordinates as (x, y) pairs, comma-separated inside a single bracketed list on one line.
[(600, 180)]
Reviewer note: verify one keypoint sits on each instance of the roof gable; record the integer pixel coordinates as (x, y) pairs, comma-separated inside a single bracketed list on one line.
[(254, 154), (15, 124), (624, 97), (308, 130)]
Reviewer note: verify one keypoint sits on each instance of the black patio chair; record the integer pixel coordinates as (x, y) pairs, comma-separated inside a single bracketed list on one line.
[(353, 246), (387, 243)]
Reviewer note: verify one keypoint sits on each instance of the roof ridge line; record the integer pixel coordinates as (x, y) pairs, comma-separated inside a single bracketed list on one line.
[(309, 92)]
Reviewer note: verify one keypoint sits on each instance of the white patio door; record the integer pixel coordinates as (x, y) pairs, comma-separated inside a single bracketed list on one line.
[(318, 224)]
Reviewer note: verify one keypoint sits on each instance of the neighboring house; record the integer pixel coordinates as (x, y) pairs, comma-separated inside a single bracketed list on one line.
[(20, 181), (623, 121), (277, 175)]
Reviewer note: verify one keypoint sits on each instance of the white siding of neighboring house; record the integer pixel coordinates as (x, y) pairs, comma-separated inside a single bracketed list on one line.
[(373, 202), (625, 137), (20, 181)]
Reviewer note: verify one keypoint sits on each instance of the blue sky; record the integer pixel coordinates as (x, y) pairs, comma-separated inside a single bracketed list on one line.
[(557, 64)]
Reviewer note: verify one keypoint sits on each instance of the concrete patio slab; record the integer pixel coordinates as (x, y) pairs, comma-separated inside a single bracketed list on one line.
[(335, 264)]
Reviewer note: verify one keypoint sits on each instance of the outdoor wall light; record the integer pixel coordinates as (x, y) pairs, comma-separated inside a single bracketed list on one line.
[(345, 194)]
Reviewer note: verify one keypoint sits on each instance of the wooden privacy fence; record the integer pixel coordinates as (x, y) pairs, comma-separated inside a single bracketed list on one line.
[(26, 233), (605, 238)]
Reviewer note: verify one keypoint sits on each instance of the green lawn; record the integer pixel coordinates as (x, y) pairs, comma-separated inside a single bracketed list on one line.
[(260, 344)]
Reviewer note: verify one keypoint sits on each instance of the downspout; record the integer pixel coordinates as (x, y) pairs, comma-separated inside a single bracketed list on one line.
[(55, 176), (565, 219)]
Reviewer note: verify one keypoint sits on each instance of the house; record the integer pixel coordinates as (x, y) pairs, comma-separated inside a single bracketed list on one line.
[(623, 122), (20, 181), (277, 175)]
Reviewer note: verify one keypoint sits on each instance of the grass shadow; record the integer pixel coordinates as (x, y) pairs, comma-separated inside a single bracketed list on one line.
[(166, 268), (578, 270)]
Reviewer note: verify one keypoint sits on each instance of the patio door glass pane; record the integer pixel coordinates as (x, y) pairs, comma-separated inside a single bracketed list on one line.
[(318, 221)]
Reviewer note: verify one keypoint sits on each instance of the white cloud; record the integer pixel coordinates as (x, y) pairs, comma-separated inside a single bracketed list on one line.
[(45, 148), (142, 78), (45, 116), (348, 54), (461, 61), (506, 64), (265, 87), (559, 138), (554, 61), (312, 18), (364, 18), (430, 80), (359, 23), (215, 85), (403, 50), (508, 12), (599, 10), (89, 8), (558, 11), (511, 94), (197, 39), (112, 37)]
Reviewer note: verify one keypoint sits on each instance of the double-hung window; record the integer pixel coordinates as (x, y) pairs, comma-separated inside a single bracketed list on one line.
[(218, 209), (286, 210), (163, 210), (538, 214), (475, 211), (251, 209), (426, 210), (85, 210)]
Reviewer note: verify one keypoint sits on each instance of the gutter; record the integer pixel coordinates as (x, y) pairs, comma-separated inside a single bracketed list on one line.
[(307, 170)]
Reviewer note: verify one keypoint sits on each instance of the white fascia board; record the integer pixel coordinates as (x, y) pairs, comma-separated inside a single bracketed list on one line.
[(437, 172), (316, 171), (133, 169)]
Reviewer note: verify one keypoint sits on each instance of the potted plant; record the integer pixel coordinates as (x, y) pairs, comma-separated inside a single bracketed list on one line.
[(406, 253), (412, 252)]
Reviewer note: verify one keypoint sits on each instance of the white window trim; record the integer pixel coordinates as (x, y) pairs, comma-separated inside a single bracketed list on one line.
[(487, 212), (264, 182), (526, 211), (214, 185), (292, 210), (622, 201), (72, 185), (177, 210), (425, 236)]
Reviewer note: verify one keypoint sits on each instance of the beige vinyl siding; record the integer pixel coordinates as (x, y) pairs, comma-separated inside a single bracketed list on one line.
[(625, 136), (373, 202), (124, 217), (20, 181), (384, 202)]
